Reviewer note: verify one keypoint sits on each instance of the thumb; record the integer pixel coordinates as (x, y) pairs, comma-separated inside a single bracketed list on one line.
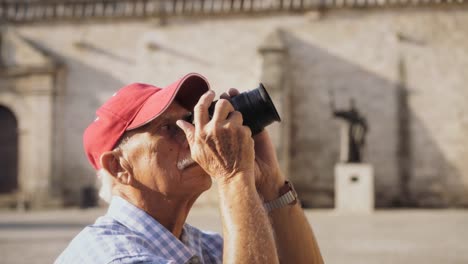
[(188, 129)]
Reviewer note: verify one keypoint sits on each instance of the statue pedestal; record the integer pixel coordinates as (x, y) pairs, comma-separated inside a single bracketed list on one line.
[(354, 187)]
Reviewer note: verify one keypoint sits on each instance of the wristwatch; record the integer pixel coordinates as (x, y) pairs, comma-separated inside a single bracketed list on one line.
[(287, 196)]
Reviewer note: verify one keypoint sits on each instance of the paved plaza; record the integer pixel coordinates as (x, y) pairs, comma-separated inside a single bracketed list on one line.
[(389, 236)]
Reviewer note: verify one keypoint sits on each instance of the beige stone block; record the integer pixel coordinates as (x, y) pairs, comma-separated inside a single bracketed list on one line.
[(354, 188)]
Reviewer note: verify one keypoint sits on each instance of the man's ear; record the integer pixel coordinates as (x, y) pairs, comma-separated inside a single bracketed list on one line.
[(111, 162)]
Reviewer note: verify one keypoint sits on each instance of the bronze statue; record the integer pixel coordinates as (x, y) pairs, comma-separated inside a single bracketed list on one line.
[(356, 132)]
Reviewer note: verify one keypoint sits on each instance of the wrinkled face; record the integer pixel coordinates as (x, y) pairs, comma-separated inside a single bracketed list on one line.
[(159, 157)]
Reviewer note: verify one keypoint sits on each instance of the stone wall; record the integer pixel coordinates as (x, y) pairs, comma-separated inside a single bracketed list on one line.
[(375, 57), (367, 55), (29, 89)]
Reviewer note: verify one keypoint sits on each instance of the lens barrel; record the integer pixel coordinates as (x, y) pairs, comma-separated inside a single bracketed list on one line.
[(256, 107)]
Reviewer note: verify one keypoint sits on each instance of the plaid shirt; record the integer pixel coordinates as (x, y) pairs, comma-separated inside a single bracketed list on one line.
[(126, 234)]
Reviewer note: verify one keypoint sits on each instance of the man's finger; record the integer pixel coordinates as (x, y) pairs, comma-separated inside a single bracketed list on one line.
[(230, 93), (233, 92), (188, 129), (200, 115), (222, 109), (224, 96), (235, 117)]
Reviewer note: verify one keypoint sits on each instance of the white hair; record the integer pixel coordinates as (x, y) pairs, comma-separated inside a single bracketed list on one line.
[(106, 183), (105, 180)]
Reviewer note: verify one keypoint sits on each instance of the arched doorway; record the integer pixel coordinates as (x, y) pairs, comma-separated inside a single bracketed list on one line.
[(8, 151)]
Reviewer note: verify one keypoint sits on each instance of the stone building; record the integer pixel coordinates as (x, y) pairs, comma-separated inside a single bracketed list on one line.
[(403, 62)]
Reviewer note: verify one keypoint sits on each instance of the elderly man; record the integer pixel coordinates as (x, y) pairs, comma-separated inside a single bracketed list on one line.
[(156, 163)]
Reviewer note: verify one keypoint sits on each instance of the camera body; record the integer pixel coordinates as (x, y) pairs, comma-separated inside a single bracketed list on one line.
[(256, 107)]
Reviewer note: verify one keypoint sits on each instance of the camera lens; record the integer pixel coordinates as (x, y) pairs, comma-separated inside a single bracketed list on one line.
[(256, 107)]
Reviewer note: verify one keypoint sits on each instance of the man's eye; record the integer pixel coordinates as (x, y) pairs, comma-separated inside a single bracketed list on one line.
[(169, 127), (188, 118)]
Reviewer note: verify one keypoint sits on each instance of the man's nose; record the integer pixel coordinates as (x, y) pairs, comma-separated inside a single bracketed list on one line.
[(182, 139)]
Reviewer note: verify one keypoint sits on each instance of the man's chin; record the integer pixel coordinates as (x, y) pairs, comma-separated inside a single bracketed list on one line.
[(198, 178)]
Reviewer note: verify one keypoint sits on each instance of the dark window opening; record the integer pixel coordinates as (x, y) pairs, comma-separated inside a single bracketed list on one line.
[(8, 151)]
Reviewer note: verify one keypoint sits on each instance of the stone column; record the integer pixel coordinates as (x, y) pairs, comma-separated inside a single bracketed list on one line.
[(36, 91), (275, 54)]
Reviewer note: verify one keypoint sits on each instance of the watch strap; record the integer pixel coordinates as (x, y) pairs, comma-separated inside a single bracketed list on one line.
[(286, 198)]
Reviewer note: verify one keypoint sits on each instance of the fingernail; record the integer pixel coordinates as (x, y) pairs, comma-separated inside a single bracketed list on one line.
[(180, 123)]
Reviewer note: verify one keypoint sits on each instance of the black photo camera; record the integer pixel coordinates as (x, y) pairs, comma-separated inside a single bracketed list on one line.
[(256, 107)]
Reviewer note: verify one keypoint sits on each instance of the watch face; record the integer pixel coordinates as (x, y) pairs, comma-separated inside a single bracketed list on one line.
[(290, 186), (287, 196), (293, 192)]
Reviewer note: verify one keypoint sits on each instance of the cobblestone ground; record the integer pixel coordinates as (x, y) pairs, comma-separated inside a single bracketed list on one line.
[(403, 236)]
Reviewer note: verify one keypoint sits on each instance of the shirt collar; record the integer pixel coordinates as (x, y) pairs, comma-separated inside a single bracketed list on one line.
[(140, 222), (191, 237)]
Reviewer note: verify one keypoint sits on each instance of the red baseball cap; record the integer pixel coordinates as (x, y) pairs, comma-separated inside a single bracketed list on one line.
[(134, 106)]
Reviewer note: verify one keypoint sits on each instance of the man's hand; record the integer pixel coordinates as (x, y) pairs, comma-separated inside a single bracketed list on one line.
[(268, 177), (222, 146)]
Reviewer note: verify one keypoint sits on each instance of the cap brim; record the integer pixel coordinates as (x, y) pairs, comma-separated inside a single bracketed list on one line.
[(187, 91)]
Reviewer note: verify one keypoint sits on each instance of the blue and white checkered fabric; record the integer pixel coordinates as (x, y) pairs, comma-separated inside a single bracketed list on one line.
[(126, 234)]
